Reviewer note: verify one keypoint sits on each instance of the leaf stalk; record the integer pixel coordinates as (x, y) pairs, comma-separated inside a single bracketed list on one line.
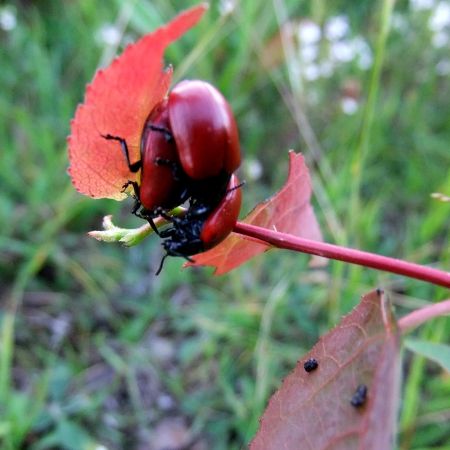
[(349, 255)]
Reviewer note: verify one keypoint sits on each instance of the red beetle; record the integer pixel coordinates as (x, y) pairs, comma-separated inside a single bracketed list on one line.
[(160, 186), (189, 149), (204, 130), (222, 219)]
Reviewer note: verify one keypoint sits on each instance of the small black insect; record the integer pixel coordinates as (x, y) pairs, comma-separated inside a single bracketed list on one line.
[(359, 397), (310, 365)]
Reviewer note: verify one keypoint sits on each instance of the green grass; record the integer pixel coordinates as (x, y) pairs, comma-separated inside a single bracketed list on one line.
[(94, 350)]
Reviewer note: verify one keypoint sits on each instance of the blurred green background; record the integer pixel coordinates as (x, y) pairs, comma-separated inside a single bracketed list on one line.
[(98, 353)]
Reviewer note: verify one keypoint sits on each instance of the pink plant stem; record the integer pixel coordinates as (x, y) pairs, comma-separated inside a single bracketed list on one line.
[(420, 316), (398, 266)]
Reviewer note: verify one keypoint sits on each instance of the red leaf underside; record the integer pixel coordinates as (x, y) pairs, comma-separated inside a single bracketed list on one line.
[(118, 102), (288, 211), (312, 410)]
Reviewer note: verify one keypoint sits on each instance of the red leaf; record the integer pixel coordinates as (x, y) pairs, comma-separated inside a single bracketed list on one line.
[(117, 102), (288, 211), (312, 411)]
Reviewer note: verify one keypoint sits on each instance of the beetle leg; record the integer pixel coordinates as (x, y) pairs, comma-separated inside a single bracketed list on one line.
[(138, 205), (144, 215), (177, 172), (168, 233), (153, 225), (163, 213), (168, 136), (133, 167), (161, 264), (135, 210), (135, 188)]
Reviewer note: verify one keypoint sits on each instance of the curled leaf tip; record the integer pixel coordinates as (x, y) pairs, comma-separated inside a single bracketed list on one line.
[(126, 236)]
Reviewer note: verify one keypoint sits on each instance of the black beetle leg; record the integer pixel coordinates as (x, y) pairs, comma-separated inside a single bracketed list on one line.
[(168, 136), (133, 167)]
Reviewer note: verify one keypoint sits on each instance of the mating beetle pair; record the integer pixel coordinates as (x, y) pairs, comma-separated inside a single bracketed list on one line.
[(189, 151)]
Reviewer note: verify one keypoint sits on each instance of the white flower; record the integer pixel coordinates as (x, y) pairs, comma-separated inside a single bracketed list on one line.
[(342, 51), (308, 32), (363, 53), (418, 5), (348, 50), (440, 39), (311, 72), (309, 53), (227, 7), (443, 67), (337, 28), (109, 35), (349, 105), (254, 169), (326, 69), (440, 18), (8, 19)]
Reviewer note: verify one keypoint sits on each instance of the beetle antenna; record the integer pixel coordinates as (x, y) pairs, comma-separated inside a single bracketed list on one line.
[(236, 187), (168, 136)]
